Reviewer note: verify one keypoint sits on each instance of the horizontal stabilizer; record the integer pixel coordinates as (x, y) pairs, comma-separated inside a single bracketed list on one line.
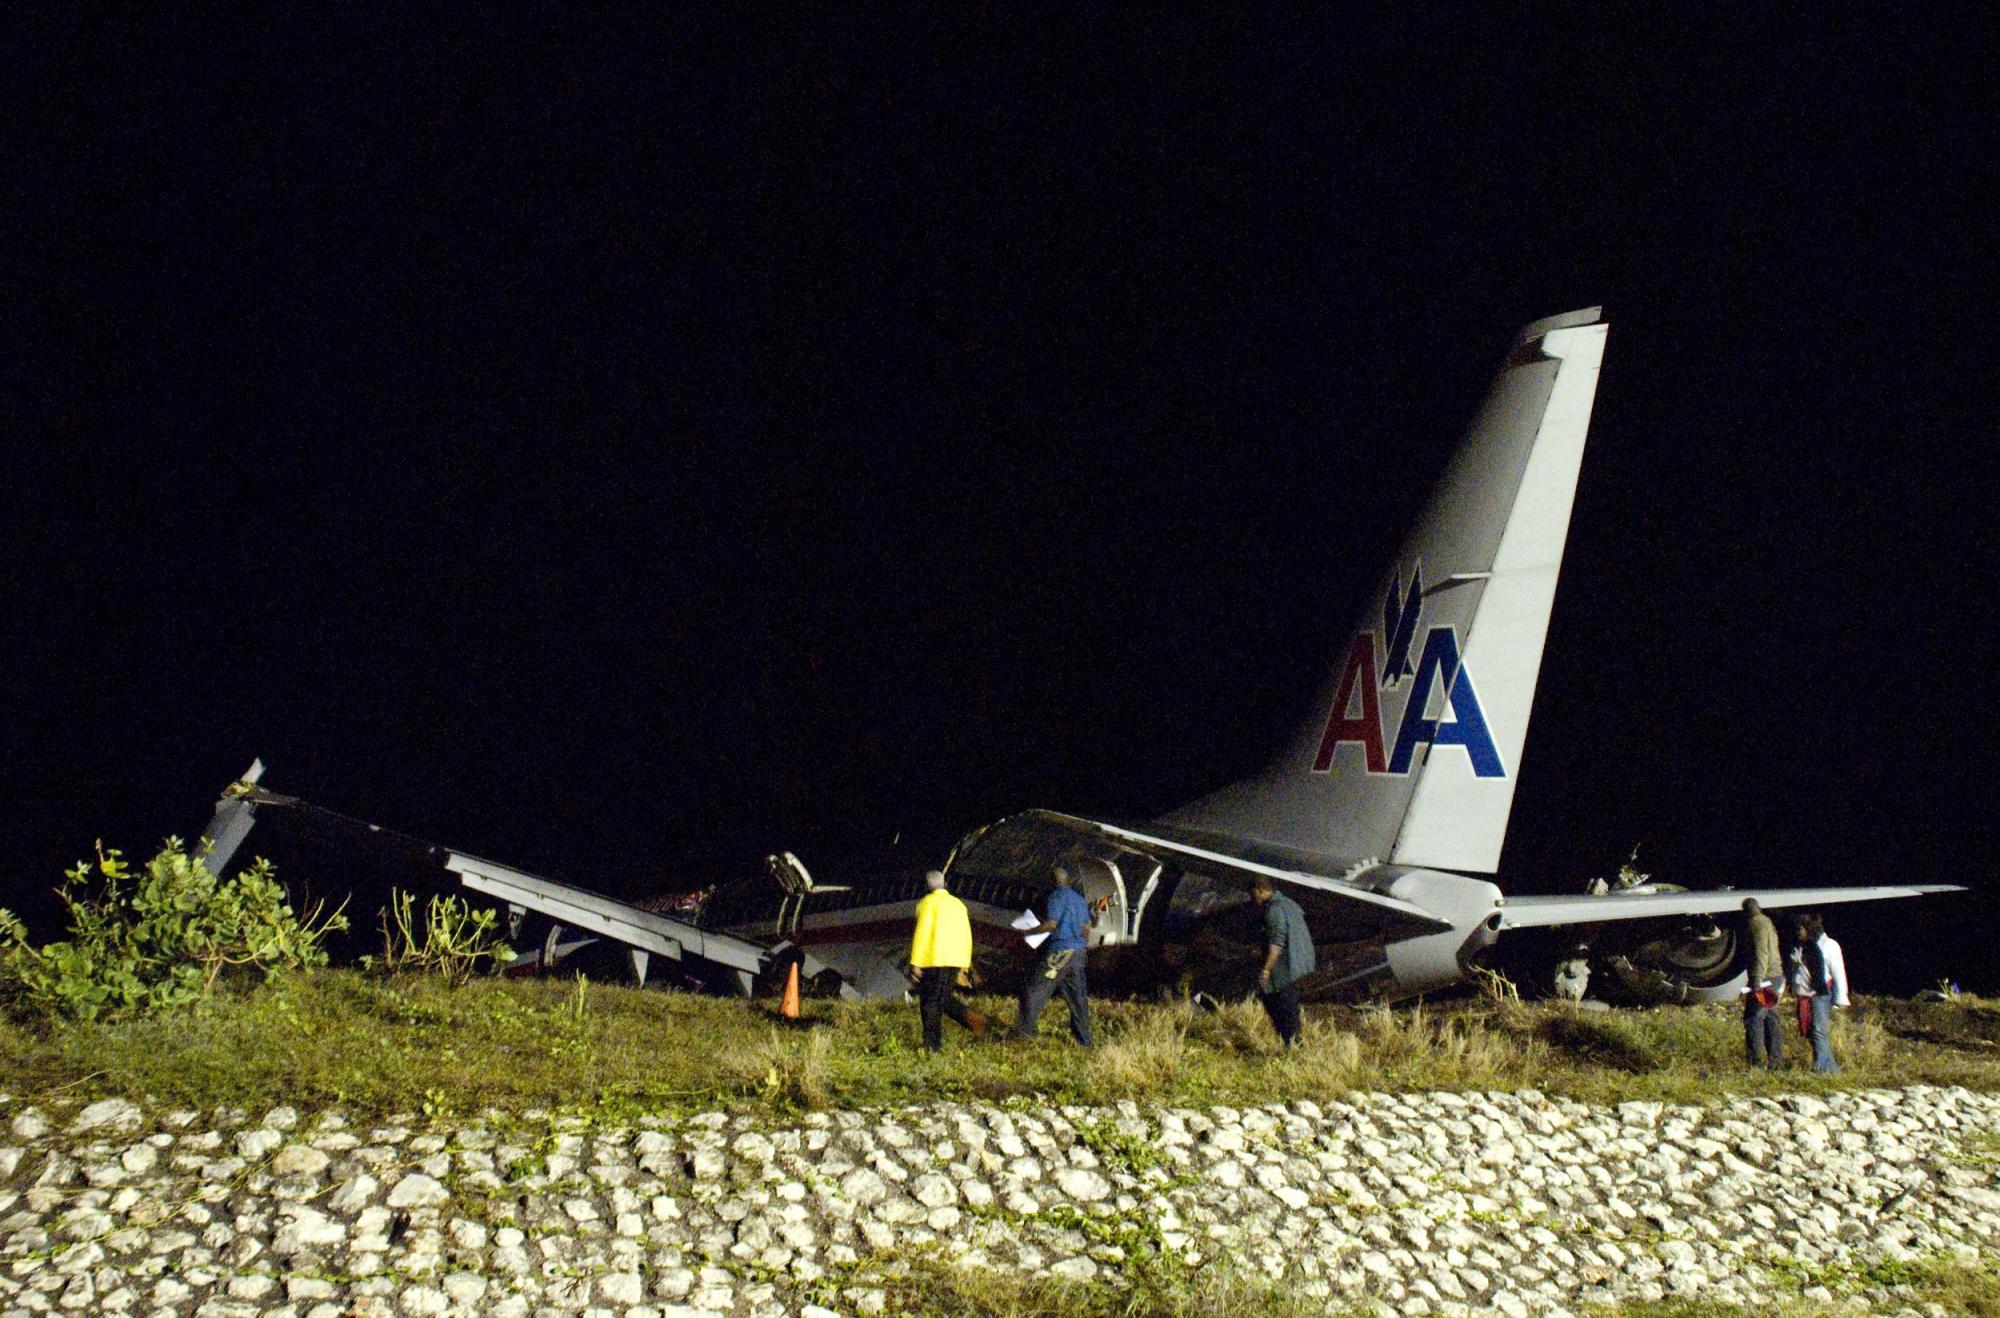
[(1543, 912)]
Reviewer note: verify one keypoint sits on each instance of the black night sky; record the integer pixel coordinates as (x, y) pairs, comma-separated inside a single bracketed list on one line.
[(621, 448)]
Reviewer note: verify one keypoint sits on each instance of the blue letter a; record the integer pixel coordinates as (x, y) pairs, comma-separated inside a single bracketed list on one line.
[(1467, 726)]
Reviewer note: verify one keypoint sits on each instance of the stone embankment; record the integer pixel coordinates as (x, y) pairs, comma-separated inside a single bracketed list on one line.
[(1428, 1203)]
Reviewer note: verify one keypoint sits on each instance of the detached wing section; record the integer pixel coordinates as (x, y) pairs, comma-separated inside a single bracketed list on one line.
[(1543, 912)]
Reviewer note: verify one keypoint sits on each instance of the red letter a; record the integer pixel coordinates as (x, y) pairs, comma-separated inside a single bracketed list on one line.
[(1366, 728)]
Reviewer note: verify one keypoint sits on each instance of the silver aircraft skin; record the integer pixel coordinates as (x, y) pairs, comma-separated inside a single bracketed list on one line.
[(1380, 815)]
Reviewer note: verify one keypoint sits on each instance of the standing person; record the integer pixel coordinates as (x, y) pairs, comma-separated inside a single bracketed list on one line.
[(1824, 978), (1763, 1035), (940, 950), (1836, 966), (1061, 965), (1288, 957)]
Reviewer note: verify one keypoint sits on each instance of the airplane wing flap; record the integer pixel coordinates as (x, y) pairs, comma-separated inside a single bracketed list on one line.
[(1545, 912)]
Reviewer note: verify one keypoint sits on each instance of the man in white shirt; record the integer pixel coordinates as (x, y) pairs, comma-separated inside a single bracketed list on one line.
[(1836, 968), (1822, 985)]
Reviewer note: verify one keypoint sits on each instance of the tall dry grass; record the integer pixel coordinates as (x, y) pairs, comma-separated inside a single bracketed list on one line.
[(1240, 1027), (788, 1069), (378, 1046), (1147, 1056), (1860, 1041), (1419, 1047), (1326, 1062)]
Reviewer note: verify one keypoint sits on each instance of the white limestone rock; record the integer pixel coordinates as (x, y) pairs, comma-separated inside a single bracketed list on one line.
[(863, 1187), (300, 1160), (417, 1191), (1082, 1184), (113, 1115), (933, 1191), (354, 1194), (253, 1144)]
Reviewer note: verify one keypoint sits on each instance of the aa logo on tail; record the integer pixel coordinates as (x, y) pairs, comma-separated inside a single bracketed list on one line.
[(1356, 715)]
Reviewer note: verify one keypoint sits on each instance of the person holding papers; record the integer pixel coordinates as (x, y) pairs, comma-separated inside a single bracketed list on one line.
[(1061, 965)]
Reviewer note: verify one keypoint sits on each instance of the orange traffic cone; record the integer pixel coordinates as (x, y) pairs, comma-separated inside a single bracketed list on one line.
[(788, 1007)]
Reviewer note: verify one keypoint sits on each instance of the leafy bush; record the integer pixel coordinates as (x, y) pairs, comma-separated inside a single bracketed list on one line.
[(453, 939), (146, 942)]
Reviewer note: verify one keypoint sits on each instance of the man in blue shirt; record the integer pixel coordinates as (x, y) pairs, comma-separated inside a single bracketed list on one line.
[(1288, 956), (1061, 965)]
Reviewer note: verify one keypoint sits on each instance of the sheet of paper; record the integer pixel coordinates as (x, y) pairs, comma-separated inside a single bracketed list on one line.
[(1028, 920)]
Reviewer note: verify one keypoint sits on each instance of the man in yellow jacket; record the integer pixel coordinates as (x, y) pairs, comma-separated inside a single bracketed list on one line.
[(940, 950)]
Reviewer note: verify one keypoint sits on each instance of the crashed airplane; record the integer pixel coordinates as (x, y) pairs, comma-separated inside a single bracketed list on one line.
[(1378, 816)]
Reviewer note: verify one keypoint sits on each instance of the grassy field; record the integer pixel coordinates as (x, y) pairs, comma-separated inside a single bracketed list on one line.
[(377, 1045), (933, 1287)]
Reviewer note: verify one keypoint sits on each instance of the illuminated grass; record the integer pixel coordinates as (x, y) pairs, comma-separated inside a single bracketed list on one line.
[(929, 1285), (417, 1045), (1156, 1288)]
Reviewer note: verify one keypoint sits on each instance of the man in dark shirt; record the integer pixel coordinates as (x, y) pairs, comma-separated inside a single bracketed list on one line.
[(1763, 1035), (1288, 957), (1061, 965)]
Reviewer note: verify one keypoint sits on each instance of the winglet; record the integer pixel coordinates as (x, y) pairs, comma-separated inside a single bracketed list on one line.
[(1567, 320)]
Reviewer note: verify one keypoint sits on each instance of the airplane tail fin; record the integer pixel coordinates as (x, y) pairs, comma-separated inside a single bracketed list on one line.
[(1410, 753)]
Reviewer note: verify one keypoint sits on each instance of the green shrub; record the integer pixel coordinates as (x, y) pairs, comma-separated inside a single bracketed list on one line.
[(146, 942), (452, 939)]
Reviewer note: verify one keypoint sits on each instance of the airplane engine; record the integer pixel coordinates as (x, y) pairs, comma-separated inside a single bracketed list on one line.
[(1434, 961), (1694, 961)]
